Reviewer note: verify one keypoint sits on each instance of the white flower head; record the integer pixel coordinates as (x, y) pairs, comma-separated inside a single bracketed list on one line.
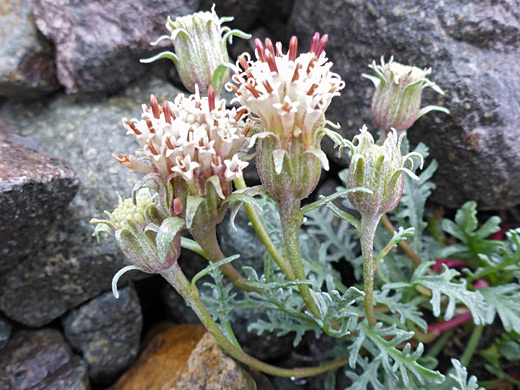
[(192, 137), (287, 92)]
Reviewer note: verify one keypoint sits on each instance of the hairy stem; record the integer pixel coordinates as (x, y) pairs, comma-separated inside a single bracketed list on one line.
[(207, 239), (367, 232), (264, 236), (176, 278), (403, 244), (291, 220)]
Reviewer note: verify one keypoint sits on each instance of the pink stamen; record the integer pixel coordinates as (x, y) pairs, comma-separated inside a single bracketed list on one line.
[(260, 50), (271, 61), (269, 46), (152, 149), (242, 60), (267, 86), (154, 104), (321, 46), (211, 98), (296, 75), (240, 113), (293, 48), (132, 126), (314, 43), (252, 90), (168, 114)]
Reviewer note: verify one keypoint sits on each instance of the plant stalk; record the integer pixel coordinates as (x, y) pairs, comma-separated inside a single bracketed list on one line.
[(176, 278), (472, 345), (291, 220), (207, 239), (367, 233), (264, 236)]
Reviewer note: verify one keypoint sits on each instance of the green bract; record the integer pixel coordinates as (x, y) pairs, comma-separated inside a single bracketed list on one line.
[(379, 169), (201, 56), (397, 99)]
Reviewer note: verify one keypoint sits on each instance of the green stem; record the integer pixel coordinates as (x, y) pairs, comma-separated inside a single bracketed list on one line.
[(176, 278), (264, 236), (441, 342), (207, 239), (367, 233), (291, 220), (472, 345)]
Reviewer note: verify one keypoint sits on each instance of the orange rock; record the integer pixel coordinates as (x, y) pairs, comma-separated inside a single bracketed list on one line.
[(164, 358)]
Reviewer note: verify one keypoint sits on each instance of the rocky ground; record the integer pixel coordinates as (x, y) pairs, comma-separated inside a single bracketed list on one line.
[(69, 71)]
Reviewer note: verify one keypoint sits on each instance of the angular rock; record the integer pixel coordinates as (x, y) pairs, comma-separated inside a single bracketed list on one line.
[(41, 360), (472, 48), (72, 267), (245, 13), (106, 331), (27, 69), (34, 190), (99, 43), (209, 368), (164, 358)]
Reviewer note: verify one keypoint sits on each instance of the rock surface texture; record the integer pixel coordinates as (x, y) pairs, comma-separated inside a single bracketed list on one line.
[(34, 189), (27, 69), (99, 43), (472, 48), (106, 331), (163, 359), (41, 360), (72, 267)]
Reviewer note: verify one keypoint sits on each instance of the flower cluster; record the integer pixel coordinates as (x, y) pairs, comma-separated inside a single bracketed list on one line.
[(288, 92), (397, 99), (194, 138)]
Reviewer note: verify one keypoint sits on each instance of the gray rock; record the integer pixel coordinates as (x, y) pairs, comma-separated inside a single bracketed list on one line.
[(106, 331), (27, 69), (41, 360), (34, 190), (472, 48), (245, 13), (72, 267), (99, 43), (5, 332)]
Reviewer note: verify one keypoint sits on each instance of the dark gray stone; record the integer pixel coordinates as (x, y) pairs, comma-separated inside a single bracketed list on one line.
[(34, 190), (27, 69), (106, 331), (245, 12), (72, 267), (5, 332), (472, 48), (99, 43), (41, 360)]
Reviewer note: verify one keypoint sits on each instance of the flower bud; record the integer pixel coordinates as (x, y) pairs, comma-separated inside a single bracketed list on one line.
[(201, 56), (379, 169), (147, 246), (397, 99)]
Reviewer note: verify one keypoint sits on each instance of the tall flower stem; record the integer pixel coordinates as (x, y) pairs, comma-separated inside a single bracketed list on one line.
[(264, 236), (291, 221), (207, 239), (367, 232), (190, 293)]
